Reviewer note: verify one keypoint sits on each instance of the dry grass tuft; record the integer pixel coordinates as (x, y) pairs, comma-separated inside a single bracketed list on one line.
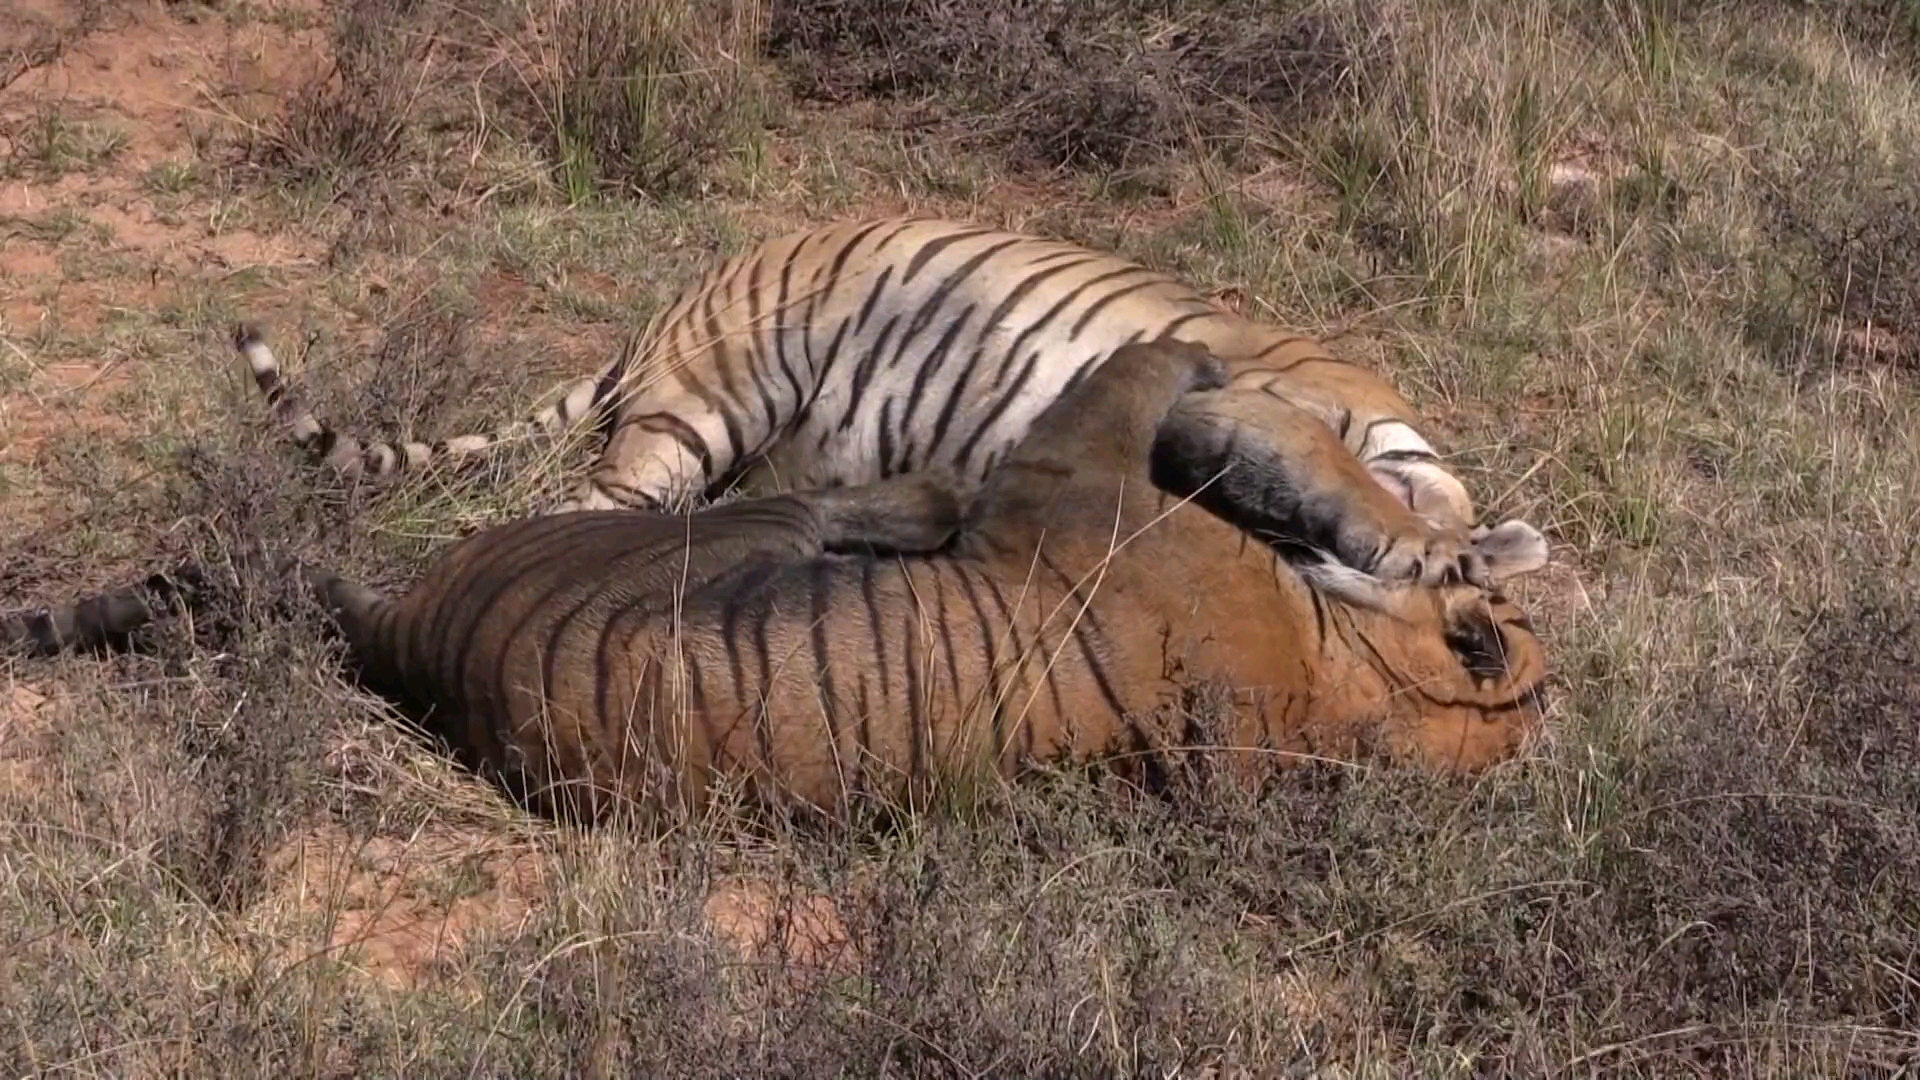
[(640, 96), (1111, 85), (632, 96), (352, 118)]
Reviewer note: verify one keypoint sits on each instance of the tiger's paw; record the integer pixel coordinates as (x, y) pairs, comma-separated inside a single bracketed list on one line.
[(1426, 556), (1509, 549), (1434, 556)]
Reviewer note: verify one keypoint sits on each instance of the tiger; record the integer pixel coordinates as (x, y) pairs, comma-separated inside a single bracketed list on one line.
[(870, 643), (873, 348)]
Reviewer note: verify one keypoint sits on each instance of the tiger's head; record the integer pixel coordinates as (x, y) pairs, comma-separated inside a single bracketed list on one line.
[(1450, 675)]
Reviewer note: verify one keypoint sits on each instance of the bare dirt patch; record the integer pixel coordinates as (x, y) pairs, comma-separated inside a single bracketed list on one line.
[(108, 200), (25, 715), (399, 910), (802, 932)]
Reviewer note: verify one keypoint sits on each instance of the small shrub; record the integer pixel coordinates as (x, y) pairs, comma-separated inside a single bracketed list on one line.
[(1108, 84), (353, 118), (640, 95), (1848, 219)]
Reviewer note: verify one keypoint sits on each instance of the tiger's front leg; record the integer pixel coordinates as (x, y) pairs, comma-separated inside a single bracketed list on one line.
[(652, 461), (1375, 424), (1278, 471)]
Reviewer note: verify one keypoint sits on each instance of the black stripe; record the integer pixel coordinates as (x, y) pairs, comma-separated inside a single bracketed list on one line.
[(1011, 394), (1319, 616), (507, 575), (1084, 626), (625, 496), (1099, 305), (563, 555), (724, 355), (997, 717), (863, 374), (873, 298), (826, 370), (994, 318), (873, 625), (715, 404), (603, 653), (550, 652), (846, 251), (903, 225), (697, 699), (670, 425), (780, 337), (916, 708), (457, 599), (933, 362), (1059, 306), (939, 244), (1026, 663), (1180, 323), (1064, 251), (946, 643), (742, 589), (886, 439), (929, 309), (865, 732), (610, 379), (763, 700), (820, 597)]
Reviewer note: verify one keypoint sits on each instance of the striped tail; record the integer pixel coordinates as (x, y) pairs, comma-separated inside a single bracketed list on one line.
[(107, 620), (353, 456)]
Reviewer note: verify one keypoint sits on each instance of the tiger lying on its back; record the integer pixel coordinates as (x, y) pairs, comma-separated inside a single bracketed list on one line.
[(597, 657), (864, 350)]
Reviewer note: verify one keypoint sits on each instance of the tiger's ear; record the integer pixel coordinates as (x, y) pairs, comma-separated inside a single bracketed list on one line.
[(1510, 549)]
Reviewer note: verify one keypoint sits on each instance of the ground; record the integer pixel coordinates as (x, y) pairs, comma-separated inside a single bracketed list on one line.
[(1649, 271)]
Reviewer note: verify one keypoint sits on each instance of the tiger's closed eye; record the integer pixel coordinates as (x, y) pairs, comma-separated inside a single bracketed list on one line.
[(1478, 644)]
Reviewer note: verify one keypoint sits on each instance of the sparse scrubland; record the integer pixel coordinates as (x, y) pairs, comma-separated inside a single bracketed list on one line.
[(1652, 269)]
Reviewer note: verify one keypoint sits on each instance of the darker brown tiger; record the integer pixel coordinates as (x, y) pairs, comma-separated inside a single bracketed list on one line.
[(873, 640)]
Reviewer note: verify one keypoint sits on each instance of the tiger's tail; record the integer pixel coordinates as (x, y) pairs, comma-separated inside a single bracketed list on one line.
[(351, 455), (105, 620), (108, 620)]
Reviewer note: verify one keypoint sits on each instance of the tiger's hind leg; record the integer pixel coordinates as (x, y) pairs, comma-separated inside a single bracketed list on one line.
[(1274, 469)]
